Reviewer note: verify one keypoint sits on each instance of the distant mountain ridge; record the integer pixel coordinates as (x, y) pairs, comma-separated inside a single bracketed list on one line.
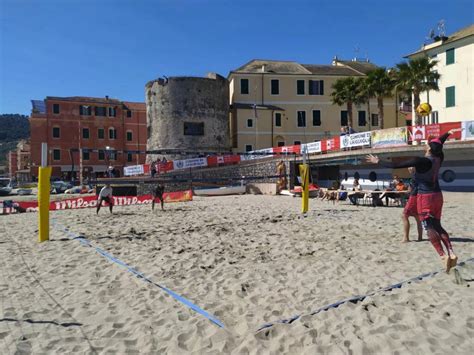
[(13, 127)]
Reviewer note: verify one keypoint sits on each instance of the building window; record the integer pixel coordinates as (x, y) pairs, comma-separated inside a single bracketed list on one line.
[(56, 154), (244, 86), (56, 108), (101, 154), (316, 118), (112, 133), (85, 154), (112, 112), (275, 87), (450, 56), (193, 128), (85, 110), (450, 96), (129, 157), (316, 87), (249, 122), (129, 136), (362, 118), (434, 117), (280, 144), (297, 143), (301, 118), (100, 111), (375, 119), (277, 119), (299, 87), (343, 118), (100, 133), (56, 132), (248, 147), (129, 113), (112, 155), (85, 133)]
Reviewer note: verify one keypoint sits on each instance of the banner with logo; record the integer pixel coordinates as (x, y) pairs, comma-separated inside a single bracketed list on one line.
[(222, 159), (313, 147), (422, 133), (356, 140), (133, 170), (296, 149), (9, 206), (331, 144), (189, 163), (261, 154), (468, 130), (391, 137)]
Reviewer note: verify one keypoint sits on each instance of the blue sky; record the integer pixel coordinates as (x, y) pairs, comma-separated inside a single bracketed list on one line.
[(113, 47)]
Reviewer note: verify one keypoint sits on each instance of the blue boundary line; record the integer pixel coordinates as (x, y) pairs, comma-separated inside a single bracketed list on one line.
[(357, 299), (138, 274)]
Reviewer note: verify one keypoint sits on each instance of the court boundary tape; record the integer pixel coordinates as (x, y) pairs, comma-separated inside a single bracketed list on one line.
[(139, 275), (357, 299)]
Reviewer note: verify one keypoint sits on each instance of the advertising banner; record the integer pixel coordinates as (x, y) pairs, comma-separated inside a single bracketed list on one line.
[(422, 133), (313, 147), (8, 206), (163, 167), (133, 170), (296, 149), (261, 154), (356, 140), (468, 130), (222, 159), (392, 137), (189, 163), (331, 144)]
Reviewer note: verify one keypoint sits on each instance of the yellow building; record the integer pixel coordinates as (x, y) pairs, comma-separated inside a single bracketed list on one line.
[(275, 103)]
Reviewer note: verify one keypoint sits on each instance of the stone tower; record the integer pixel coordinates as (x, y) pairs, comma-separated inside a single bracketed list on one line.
[(188, 113)]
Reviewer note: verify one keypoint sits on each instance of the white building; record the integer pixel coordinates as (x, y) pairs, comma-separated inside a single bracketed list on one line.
[(455, 99)]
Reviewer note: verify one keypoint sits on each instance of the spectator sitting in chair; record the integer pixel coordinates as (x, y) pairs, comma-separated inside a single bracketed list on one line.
[(355, 195)]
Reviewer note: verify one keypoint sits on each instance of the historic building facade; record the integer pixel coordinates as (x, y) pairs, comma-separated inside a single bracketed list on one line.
[(455, 63), (276, 103), (88, 133)]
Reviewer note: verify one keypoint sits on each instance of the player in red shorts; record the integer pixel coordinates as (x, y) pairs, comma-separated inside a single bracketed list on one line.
[(430, 197), (411, 210)]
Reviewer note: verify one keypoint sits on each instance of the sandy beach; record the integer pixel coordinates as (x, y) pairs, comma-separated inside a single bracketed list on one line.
[(247, 260)]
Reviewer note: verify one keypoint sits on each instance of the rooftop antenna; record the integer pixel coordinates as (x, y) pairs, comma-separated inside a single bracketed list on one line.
[(356, 51), (431, 35), (442, 28)]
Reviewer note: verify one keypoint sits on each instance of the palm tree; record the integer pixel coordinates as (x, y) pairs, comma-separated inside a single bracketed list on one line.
[(346, 91), (417, 76), (380, 85), (365, 94)]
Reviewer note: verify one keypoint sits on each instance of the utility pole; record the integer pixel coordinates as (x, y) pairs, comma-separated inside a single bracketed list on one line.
[(80, 152)]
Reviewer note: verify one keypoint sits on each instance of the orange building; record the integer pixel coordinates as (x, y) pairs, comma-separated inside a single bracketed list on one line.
[(107, 131)]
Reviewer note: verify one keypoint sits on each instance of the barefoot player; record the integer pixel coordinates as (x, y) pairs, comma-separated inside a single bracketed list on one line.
[(411, 210), (105, 195), (430, 197)]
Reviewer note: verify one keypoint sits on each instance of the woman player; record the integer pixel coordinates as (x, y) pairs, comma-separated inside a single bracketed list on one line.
[(430, 197)]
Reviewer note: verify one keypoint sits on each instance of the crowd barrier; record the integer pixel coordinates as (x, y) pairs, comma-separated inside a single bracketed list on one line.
[(383, 138)]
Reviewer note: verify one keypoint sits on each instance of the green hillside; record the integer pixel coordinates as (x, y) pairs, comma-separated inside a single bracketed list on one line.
[(13, 127)]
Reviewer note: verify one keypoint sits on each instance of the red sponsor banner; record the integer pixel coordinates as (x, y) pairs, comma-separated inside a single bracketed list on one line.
[(288, 149), (331, 144), (146, 169), (164, 167), (430, 131), (7, 207), (222, 159)]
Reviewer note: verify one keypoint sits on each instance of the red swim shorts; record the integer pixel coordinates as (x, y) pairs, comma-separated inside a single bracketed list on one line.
[(411, 208), (430, 205)]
